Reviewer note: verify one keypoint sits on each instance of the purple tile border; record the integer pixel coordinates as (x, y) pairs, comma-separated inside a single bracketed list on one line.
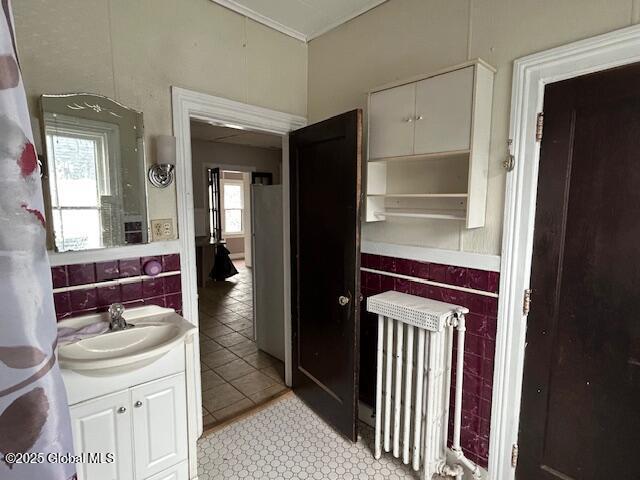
[(59, 277), (171, 263), (481, 332), (129, 267), (83, 300), (483, 280), (163, 291), (81, 274), (107, 271)]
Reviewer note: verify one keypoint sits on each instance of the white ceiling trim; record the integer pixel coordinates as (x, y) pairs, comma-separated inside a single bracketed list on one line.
[(345, 19), (258, 17), (269, 22)]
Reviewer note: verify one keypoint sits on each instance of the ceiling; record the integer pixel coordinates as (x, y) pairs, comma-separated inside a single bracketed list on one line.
[(215, 133), (301, 19)]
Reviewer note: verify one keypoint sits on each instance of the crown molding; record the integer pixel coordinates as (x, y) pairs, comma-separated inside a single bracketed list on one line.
[(344, 19), (260, 18), (269, 22)]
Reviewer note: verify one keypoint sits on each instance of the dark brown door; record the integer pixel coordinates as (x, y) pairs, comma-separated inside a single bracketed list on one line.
[(580, 414), (325, 172)]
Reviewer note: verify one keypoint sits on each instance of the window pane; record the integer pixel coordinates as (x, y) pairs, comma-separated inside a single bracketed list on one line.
[(75, 171), (79, 229), (233, 221), (232, 196)]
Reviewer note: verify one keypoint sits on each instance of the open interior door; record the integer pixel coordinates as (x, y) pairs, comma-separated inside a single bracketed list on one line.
[(325, 171)]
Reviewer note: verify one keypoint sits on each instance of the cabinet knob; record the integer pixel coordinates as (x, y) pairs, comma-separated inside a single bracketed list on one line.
[(138, 404), (122, 410), (408, 119), (419, 117)]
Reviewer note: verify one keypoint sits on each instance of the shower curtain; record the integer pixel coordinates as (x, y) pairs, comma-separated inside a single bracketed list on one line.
[(34, 416)]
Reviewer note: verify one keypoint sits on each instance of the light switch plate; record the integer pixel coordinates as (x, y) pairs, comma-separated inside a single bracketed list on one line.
[(162, 229)]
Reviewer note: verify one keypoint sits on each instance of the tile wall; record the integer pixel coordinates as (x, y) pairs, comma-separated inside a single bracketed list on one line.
[(92, 287), (480, 339)]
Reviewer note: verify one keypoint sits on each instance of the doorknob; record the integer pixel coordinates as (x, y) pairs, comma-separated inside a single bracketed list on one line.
[(342, 300)]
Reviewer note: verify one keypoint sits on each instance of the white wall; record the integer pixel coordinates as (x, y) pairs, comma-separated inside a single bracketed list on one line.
[(227, 154), (135, 50), (402, 38), (242, 158)]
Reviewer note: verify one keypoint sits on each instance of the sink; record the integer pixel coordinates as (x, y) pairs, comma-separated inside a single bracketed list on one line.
[(156, 331)]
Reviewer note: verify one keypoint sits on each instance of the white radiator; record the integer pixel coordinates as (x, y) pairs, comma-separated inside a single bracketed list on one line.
[(414, 353)]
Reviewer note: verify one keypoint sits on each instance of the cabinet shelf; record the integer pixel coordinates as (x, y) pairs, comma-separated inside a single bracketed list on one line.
[(431, 134), (419, 195), (433, 214), (422, 156)]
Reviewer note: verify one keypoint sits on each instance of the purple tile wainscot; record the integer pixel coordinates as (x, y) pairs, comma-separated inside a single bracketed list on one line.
[(480, 339), (163, 291), (107, 271)]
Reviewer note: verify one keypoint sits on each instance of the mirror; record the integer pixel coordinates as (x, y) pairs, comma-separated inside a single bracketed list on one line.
[(94, 172)]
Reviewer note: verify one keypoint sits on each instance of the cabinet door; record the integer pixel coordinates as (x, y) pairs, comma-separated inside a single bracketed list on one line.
[(103, 427), (177, 472), (159, 425), (391, 114), (443, 112)]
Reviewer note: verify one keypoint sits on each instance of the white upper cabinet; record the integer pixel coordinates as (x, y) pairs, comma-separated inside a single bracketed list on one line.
[(391, 119), (443, 112), (429, 140)]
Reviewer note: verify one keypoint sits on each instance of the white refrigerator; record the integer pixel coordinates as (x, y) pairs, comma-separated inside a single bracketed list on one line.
[(268, 269)]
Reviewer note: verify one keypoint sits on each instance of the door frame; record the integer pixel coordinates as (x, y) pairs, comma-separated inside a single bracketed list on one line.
[(188, 104), (530, 75)]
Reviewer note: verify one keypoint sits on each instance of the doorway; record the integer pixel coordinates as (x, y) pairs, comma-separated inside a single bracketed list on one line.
[(581, 385), (238, 212), (188, 105)]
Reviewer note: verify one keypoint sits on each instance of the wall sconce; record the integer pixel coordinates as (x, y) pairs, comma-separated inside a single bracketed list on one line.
[(161, 173)]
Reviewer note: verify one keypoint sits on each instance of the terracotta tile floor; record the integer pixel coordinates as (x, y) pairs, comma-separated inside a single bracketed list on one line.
[(236, 376)]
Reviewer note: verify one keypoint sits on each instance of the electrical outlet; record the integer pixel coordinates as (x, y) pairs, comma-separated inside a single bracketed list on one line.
[(162, 229)]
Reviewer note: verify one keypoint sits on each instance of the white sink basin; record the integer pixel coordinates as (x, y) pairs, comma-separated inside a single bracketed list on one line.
[(156, 331)]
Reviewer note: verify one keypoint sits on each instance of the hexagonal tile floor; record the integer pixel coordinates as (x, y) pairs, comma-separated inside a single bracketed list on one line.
[(287, 440)]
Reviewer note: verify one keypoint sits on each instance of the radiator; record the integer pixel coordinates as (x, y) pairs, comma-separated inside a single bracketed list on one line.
[(414, 361)]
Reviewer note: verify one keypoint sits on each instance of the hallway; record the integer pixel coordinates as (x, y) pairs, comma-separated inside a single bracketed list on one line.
[(236, 376)]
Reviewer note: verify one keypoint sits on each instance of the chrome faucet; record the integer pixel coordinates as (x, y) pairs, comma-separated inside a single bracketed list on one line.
[(117, 321)]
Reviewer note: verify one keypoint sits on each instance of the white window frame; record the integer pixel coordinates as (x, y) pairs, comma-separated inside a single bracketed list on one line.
[(223, 210), (109, 135)]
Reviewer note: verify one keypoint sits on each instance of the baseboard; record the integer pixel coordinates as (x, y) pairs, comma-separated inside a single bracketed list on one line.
[(365, 414)]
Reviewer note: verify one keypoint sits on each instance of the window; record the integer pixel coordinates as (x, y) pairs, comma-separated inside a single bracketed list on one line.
[(213, 177), (78, 172), (233, 203)]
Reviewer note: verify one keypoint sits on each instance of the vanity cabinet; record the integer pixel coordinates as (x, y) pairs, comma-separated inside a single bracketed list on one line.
[(145, 427), (103, 426), (428, 146), (159, 425)]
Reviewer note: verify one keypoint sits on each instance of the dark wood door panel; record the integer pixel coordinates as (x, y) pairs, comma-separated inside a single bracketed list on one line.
[(325, 166), (580, 415)]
